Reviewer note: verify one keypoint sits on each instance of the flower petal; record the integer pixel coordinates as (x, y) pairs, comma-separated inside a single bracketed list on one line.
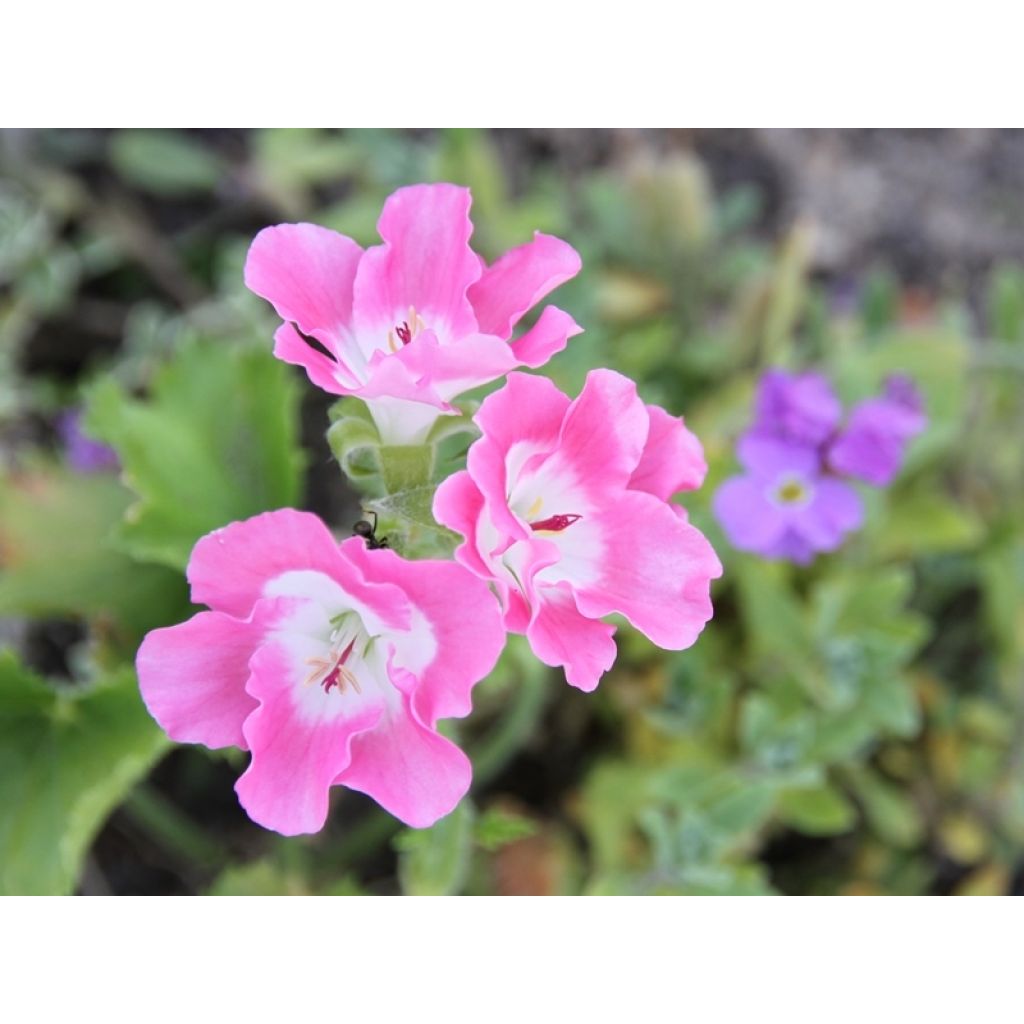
[(297, 753), (518, 280), (458, 642), (411, 771), (656, 570), (563, 638), (751, 521), (673, 459), (277, 554), (521, 422), (602, 438), (307, 272), (548, 336), (425, 263), (192, 677), (322, 370)]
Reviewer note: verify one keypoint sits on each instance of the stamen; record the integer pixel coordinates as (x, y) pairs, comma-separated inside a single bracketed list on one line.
[(404, 333), (555, 524), (535, 508)]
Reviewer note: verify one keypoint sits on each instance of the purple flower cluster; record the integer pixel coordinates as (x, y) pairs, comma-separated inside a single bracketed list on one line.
[(792, 501), (83, 454)]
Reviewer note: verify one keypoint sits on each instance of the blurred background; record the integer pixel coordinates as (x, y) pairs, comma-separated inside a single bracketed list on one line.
[(853, 727)]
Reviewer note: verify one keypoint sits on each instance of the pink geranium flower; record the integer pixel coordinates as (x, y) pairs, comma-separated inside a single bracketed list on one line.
[(564, 506), (410, 324), (330, 663)]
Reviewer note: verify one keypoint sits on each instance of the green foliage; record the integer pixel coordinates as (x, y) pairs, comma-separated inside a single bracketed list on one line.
[(67, 757), (435, 861), (163, 162), (58, 559), (215, 442)]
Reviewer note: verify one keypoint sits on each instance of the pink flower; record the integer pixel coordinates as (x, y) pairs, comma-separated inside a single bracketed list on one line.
[(564, 506), (412, 323), (330, 663)]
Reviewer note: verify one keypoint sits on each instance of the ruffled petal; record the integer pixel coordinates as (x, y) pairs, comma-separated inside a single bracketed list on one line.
[(307, 273), (520, 423), (548, 336), (456, 634), (458, 504), (518, 280), (563, 638), (410, 770), (283, 553), (192, 678), (673, 459), (601, 441), (300, 738), (655, 569), (834, 510), (425, 264)]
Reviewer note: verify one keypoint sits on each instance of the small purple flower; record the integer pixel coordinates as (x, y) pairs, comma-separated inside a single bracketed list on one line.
[(872, 445), (797, 407), (785, 506), (83, 454)]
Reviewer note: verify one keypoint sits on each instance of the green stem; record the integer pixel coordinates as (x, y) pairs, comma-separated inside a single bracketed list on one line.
[(172, 829)]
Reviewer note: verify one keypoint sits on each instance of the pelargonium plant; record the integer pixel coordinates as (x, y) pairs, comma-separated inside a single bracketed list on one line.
[(795, 500), (333, 661)]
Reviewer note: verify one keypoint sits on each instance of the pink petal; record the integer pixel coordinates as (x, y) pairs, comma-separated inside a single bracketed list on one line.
[(427, 371), (561, 637), (296, 756), (520, 422), (192, 678), (233, 567), (603, 435), (321, 370), (548, 336), (519, 280), (411, 771), (460, 640), (458, 504), (656, 570), (307, 272), (673, 459), (425, 263)]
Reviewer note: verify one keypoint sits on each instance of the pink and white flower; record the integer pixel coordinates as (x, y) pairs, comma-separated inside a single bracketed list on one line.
[(330, 663), (564, 507), (410, 324)]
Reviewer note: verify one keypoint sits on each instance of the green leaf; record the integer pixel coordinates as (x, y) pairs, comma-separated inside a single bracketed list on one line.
[(216, 442), (497, 828), (67, 758), (817, 811), (164, 162), (57, 557), (435, 861)]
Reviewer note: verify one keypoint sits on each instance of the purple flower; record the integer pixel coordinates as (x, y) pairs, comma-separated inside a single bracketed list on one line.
[(797, 407), (872, 445), (785, 506), (83, 454)]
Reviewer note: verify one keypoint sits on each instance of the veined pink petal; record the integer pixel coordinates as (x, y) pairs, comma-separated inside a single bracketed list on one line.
[(656, 570), (548, 336), (563, 638), (192, 677), (518, 280), (307, 272), (297, 752), (521, 422), (673, 459), (412, 772), (459, 641), (602, 437), (425, 263)]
